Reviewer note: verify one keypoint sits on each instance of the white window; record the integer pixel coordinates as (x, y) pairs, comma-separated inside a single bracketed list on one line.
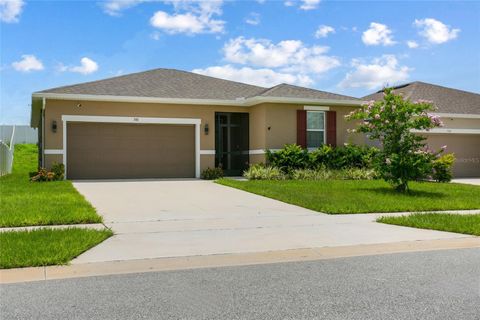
[(315, 129)]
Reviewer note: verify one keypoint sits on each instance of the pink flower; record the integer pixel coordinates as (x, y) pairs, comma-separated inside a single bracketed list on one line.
[(444, 147), (388, 161), (435, 120), (377, 116)]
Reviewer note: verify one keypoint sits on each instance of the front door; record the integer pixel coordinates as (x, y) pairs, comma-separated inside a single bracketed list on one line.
[(231, 142)]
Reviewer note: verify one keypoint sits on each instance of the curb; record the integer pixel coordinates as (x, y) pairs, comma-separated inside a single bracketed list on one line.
[(227, 260)]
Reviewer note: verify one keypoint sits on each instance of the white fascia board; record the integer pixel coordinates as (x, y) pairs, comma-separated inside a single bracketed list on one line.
[(110, 98), (457, 115), (330, 102), (238, 102), (447, 130)]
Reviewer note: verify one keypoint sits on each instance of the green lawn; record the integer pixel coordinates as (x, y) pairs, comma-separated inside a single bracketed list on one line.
[(468, 224), (46, 247), (349, 196), (25, 203)]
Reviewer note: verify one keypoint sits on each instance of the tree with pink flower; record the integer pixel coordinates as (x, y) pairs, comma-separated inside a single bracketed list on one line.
[(393, 121)]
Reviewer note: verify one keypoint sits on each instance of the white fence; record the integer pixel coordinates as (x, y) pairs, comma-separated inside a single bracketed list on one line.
[(6, 154), (23, 134)]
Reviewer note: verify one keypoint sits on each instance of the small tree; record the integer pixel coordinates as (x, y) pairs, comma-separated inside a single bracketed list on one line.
[(404, 156)]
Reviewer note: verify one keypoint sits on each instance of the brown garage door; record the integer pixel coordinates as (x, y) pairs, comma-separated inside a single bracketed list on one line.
[(466, 148), (128, 151)]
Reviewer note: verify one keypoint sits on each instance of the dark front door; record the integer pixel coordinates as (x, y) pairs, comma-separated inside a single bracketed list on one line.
[(231, 142)]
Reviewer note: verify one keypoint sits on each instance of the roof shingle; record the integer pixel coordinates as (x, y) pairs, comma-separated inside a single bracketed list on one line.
[(447, 100), (171, 83)]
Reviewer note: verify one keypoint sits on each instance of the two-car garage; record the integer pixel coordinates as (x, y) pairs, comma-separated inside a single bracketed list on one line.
[(110, 150)]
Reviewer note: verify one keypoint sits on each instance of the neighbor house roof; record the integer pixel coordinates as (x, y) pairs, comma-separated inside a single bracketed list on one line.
[(447, 100)]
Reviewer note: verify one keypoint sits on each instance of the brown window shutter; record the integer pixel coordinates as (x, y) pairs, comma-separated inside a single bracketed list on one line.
[(332, 128), (302, 128)]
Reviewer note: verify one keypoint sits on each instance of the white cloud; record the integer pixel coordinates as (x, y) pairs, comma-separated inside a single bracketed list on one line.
[(190, 17), (380, 72), (263, 63), (378, 34), (412, 44), (28, 63), (303, 4), (261, 77), (435, 31), (253, 19), (288, 55), (323, 31), (309, 4), (115, 7), (86, 66), (10, 10)]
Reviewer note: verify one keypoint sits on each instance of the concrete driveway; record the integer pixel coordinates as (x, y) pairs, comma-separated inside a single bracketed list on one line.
[(156, 219)]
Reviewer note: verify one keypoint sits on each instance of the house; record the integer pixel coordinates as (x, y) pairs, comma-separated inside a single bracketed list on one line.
[(460, 112), (166, 123)]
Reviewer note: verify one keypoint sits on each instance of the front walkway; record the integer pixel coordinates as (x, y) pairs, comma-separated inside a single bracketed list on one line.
[(158, 219)]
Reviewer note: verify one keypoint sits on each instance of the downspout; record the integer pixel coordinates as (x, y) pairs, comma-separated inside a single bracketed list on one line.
[(43, 131)]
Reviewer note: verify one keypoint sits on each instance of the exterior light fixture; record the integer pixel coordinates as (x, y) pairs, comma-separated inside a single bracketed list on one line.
[(206, 129), (54, 126)]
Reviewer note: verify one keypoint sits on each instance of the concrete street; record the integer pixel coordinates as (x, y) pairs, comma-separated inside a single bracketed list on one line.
[(423, 285), (180, 218)]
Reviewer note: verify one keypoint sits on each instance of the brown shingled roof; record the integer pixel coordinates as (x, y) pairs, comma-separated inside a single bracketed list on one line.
[(447, 100), (163, 83), (171, 83), (290, 91)]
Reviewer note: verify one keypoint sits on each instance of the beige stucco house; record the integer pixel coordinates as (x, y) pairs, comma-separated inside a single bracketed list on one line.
[(168, 123)]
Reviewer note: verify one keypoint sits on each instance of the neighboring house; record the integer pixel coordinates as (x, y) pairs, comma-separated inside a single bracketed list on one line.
[(168, 123), (460, 113)]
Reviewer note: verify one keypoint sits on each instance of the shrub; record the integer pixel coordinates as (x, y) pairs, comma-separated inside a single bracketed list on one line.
[(262, 172), (56, 173), (348, 156), (442, 168), (312, 174), (212, 173), (289, 158), (358, 174), (59, 170)]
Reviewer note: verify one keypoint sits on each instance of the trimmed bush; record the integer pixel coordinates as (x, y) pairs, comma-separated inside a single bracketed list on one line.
[(261, 172), (212, 173), (442, 168), (289, 158)]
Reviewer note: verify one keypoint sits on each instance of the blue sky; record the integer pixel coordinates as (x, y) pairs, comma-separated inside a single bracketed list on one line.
[(353, 48)]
